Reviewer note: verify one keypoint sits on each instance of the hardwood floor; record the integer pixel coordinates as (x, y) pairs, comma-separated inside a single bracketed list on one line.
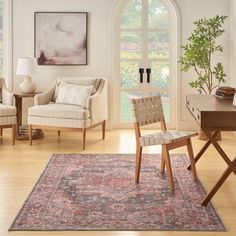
[(22, 164)]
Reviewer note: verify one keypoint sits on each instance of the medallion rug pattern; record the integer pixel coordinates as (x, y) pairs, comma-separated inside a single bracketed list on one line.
[(98, 192)]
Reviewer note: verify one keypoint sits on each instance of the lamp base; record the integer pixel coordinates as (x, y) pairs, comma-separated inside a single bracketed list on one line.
[(27, 86)]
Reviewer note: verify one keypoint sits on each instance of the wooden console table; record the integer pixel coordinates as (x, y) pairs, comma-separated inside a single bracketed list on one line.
[(22, 131), (215, 115)]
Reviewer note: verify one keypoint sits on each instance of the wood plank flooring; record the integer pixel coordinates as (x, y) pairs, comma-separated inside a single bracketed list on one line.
[(21, 166)]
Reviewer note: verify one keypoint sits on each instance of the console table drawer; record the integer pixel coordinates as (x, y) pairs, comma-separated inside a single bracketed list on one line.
[(212, 113)]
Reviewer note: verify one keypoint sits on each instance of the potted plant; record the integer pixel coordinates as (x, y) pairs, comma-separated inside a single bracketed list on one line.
[(198, 54)]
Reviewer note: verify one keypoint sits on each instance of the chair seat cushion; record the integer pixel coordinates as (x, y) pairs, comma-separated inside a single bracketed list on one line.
[(65, 111), (6, 110), (165, 137)]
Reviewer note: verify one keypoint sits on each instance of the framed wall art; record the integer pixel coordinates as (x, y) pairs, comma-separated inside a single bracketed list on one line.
[(60, 38)]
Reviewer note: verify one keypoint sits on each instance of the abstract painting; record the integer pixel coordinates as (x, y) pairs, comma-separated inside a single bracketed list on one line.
[(60, 38)]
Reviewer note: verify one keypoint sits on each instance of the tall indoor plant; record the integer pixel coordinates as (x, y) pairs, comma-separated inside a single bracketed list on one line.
[(198, 56)]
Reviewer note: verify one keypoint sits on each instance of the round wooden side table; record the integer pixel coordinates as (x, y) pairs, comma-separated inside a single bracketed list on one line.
[(22, 131)]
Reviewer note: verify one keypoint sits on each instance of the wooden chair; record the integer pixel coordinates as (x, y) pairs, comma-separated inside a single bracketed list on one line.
[(147, 111)]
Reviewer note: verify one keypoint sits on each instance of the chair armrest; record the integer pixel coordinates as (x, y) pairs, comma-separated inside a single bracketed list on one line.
[(45, 97), (98, 104), (7, 97)]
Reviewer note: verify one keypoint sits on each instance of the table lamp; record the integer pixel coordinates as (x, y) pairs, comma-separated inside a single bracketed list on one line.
[(26, 67)]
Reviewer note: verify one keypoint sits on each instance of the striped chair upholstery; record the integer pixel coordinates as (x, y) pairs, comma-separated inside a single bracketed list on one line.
[(7, 110), (148, 110)]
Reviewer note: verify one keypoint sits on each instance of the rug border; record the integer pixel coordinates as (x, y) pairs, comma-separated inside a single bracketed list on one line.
[(30, 193), (213, 207), (49, 162)]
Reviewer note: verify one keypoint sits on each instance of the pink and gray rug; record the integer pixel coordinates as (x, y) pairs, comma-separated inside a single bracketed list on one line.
[(98, 192)]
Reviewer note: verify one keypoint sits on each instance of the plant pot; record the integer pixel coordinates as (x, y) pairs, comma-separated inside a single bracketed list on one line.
[(202, 135)]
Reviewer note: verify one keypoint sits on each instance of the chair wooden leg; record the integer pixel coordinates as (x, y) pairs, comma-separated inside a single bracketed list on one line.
[(30, 134), (138, 162), (103, 129), (162, 162), (168, 166), (13, 131), (1, 131), (191, 158), (58, 133), (83, 138)]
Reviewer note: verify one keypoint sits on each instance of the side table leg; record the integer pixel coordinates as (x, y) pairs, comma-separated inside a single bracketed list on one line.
[(225, 175), (30, 134), (18, 113), (204, 148)]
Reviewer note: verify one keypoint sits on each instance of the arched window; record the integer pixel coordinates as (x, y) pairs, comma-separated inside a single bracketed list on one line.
[(146, 41)]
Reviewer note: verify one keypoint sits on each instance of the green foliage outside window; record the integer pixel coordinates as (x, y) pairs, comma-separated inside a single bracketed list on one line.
[(158, 15), (131, 52), (131, 16)]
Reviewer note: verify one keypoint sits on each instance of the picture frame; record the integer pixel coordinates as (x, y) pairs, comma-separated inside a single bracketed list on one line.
[(60, 38)]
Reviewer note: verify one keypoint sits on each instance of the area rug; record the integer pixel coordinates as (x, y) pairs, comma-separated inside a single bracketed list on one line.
[(98, 192)]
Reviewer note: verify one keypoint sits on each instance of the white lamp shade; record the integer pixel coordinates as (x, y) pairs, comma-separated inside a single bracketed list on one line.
[(25, 66)]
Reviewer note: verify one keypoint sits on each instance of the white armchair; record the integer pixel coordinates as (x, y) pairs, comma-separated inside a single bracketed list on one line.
[(7, 110), (48, 113)]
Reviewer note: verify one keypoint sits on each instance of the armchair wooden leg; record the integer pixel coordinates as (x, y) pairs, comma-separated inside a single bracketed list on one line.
[(138, 162), (162, 162), (58, 133), (13, 130), (191, 158), (168, 166), (83, 138), (1, 130), (30, 134), (103, 129)]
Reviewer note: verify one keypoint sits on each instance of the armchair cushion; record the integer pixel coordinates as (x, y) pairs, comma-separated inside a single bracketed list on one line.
[(6, 110), (55, 110), (74, 94), (83, 81)]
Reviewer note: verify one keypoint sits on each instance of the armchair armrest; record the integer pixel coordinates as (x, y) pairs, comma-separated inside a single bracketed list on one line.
[(7, 97), (98, 104), (45, 97)]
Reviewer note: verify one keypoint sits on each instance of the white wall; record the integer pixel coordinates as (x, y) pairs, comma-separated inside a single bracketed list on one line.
[(99, 43), (23, 45)]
